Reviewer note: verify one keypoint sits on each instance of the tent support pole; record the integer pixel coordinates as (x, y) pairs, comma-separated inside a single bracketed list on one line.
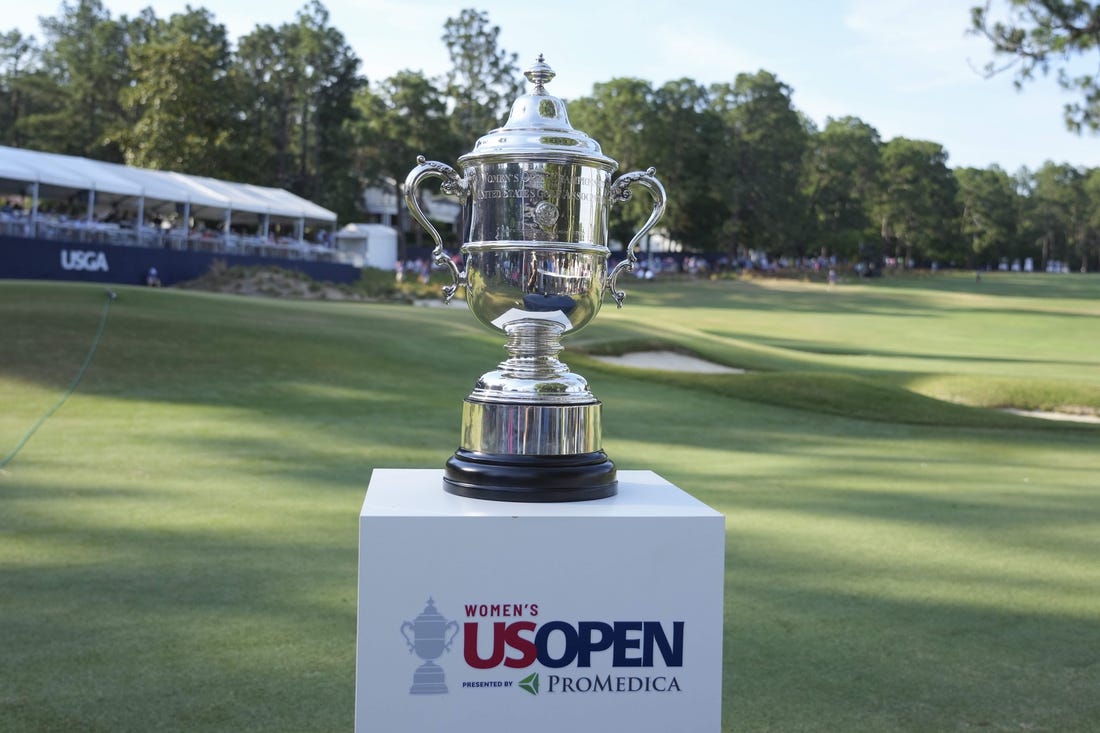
[(187, 224), (141, 217), (34, 209)]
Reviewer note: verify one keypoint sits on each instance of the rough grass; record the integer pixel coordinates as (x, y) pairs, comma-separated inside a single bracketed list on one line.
[(178, 542)]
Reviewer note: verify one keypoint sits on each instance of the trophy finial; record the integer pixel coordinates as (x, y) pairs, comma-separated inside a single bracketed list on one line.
[(539, 74)]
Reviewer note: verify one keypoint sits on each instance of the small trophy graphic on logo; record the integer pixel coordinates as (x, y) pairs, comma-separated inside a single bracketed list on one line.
[(429, 641)]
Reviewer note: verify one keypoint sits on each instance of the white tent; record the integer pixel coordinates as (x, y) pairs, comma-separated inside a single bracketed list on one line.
[(369, 245), (141, 191)]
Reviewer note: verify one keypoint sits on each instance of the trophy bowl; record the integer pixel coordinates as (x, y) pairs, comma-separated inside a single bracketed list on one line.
[(537, 193), (507, 276)]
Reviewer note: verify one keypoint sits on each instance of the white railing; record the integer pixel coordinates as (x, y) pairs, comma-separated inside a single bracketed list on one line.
[(74, 230)]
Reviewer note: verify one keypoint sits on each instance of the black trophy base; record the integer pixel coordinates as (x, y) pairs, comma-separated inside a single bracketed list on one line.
[(501, 477)]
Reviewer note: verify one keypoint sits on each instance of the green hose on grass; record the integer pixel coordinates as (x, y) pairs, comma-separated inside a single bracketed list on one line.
[(110, 296)]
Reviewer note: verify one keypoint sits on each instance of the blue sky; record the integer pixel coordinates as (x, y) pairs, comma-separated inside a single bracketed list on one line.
[(907, 67)]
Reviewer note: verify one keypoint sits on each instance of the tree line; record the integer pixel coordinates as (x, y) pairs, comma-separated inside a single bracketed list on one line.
[(747, 172)]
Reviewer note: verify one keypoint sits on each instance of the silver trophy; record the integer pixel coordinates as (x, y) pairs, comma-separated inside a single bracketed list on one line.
[(429, 640), (537, 195)]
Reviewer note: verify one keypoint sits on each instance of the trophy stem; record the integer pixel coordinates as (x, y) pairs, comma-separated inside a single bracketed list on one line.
[(533, 347), (532, 373)]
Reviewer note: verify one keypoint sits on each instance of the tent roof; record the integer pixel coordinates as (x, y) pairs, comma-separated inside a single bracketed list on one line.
[(125, 185)]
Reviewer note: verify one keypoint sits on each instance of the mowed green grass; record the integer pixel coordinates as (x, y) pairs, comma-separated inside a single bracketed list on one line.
[(178, 542)]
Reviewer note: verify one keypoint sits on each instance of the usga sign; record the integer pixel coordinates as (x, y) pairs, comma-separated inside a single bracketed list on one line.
[(84, 260)]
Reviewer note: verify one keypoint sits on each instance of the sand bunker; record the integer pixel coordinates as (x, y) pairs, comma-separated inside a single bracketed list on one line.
[(668, 361), (1046, 415)]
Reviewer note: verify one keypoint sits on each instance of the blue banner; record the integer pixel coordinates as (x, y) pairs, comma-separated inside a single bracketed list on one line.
[(40, 259)]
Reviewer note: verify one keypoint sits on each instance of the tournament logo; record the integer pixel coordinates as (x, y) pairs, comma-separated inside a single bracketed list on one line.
[(610, 657), (430, 638)]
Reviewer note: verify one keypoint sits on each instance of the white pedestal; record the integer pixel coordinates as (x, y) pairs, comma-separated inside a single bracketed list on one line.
[(576, 617)]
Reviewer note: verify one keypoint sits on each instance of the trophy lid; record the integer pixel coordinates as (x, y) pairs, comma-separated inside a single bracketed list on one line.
[(538, 126)]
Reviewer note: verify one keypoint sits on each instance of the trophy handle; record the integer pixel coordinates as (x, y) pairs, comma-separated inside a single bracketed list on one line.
[(447, 644), (620, 191), (408, 625), (453, 184)]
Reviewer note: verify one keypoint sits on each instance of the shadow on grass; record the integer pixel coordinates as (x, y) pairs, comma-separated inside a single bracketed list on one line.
[(806, 656), (843, 396), (747, 295), (178, 629), (825, 348)]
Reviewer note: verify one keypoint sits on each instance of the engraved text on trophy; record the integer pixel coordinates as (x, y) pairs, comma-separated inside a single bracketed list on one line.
[(539, 202)]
